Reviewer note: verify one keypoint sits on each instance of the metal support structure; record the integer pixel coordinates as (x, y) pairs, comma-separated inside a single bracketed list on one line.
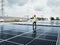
[(2, 8), (2, 14)]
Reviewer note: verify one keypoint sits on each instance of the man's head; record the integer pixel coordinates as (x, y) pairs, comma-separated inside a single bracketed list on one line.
[(34, 15)]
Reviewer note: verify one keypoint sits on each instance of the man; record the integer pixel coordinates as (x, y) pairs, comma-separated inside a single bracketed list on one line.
[(34, 22)]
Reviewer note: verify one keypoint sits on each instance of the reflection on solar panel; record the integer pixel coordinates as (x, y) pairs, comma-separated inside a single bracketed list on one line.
[(7, 43), (24, 35)]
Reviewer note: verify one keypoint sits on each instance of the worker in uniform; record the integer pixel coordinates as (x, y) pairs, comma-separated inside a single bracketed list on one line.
[(34, 22)]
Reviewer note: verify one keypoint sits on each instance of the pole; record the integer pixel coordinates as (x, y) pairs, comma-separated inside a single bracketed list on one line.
[(2, 9), (2, 13)]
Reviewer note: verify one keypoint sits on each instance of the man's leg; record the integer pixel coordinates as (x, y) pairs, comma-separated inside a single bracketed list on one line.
[(33, 25)]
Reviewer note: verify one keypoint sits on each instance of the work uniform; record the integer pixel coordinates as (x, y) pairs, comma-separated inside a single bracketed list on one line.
[(34, 23)]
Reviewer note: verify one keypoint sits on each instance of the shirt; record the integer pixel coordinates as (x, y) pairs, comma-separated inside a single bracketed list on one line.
[(34, 19)]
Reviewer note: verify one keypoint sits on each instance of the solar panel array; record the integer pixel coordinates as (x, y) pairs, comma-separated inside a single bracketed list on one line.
[(24, 35)]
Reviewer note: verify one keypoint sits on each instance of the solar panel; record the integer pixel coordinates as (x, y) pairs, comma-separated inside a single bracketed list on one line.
[(42, 42), (7, 43), (23, 35)]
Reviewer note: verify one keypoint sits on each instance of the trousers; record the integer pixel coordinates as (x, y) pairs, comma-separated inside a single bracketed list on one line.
[(34, 25)]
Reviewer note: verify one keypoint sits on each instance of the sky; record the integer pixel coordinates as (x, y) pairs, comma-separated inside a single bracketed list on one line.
[(27, 8)]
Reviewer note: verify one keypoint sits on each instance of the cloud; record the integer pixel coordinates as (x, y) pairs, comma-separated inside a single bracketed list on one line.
[(33, 1), (11, 2), (29, 8), (53, 3), (18, 2), (56, 11), (39, 9), (55, 7), (22, 8), (22, 2)]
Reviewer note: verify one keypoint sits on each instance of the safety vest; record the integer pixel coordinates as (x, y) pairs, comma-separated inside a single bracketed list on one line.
[(34, 19)]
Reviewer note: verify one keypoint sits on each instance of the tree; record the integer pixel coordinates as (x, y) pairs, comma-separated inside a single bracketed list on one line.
[(57, 18), (52, 18), (31, 18)]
